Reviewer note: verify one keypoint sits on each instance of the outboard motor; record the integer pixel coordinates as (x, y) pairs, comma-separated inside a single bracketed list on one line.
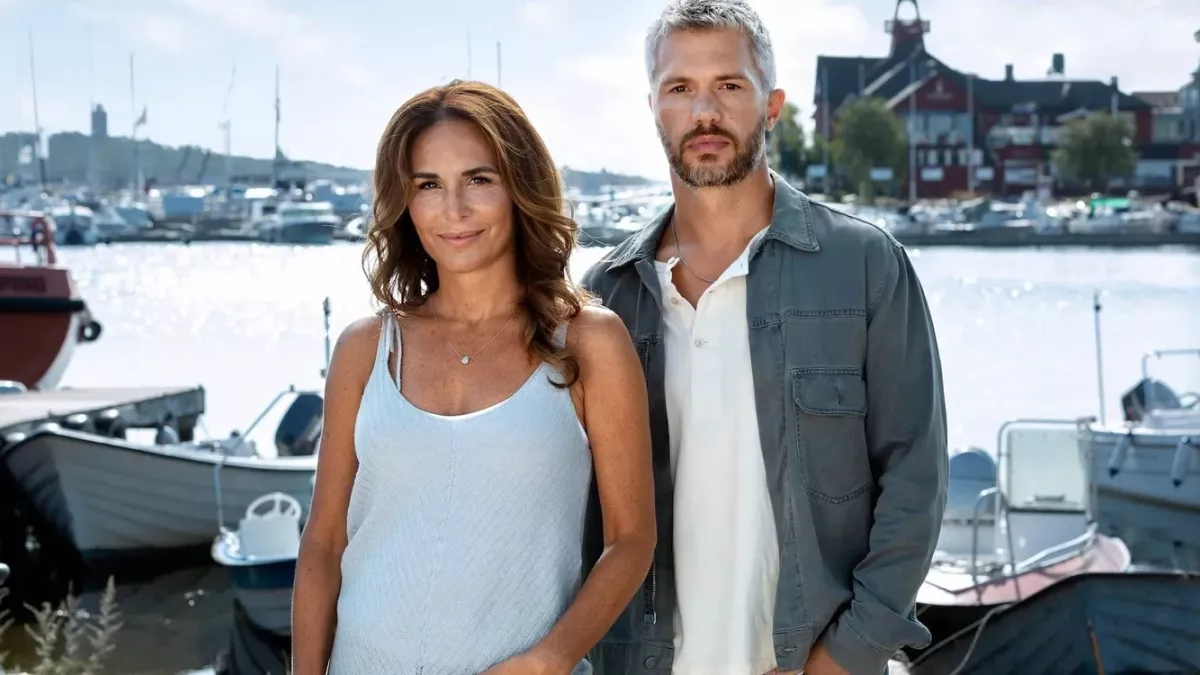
[(1147, 395), (300, 427)]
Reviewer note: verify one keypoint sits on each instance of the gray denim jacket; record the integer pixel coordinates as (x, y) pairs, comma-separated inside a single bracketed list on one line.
[(851, 416)]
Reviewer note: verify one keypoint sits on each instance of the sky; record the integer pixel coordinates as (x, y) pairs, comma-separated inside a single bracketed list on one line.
[(575, 66)]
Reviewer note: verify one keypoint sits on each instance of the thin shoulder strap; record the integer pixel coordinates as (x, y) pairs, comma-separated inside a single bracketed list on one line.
[(385, 336), (560, 335), (399, 349), (388, 330)]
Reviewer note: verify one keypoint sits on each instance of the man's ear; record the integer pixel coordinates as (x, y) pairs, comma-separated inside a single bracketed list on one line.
[(775, 101)]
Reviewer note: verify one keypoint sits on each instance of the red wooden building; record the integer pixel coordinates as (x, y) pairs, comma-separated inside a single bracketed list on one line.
[(1006, 128)]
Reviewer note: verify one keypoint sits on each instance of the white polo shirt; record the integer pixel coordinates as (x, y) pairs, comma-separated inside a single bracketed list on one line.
[(726, 550)]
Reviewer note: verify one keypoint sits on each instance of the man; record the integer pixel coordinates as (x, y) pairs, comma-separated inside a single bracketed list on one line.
[(795, 389)]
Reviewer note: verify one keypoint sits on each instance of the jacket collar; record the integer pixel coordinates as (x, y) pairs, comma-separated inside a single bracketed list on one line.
[(791, 223)]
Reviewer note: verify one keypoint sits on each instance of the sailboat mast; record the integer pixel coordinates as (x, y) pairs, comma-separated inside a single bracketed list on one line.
[(91, 72), (37, 124), (275, 160), (137, 169)]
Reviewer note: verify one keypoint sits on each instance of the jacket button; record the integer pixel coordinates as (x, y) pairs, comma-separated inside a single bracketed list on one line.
[(650, 661)]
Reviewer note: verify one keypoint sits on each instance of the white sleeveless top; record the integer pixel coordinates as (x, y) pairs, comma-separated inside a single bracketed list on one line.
[(464, 532)]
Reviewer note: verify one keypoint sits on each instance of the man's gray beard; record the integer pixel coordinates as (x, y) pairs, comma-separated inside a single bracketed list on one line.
[(715, 175)]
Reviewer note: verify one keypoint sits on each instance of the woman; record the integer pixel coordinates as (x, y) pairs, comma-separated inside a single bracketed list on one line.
[(464, 425)]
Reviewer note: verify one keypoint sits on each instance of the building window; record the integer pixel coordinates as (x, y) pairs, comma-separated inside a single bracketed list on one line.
[(949, 158), (962, 157)]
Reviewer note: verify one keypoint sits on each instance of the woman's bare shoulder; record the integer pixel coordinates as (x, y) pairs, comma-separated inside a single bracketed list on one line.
[(598, 334), (355, 350)]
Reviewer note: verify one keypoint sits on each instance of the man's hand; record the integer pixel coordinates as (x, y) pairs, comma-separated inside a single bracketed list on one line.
[(821, 663)]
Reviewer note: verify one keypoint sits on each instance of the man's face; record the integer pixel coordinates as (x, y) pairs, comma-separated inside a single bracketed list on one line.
[(710, 106)]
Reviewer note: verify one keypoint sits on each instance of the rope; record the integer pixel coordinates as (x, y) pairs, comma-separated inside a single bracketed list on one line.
[(975, 639), (217, 486)]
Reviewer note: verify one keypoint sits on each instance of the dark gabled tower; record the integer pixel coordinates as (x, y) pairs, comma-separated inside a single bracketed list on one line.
[(908, 35)]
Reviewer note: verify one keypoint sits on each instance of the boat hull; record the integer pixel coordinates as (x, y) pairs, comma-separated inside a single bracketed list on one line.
[(301, 233), (42, 319), (269, 608), (110, 499), (264, 588), (1145, 473), (1089, 623)]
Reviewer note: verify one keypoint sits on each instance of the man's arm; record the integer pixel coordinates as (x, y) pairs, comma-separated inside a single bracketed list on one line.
[(906, 437)]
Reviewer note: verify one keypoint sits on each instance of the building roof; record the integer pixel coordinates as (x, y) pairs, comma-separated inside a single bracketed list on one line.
[(1159, 99), (890, 78)]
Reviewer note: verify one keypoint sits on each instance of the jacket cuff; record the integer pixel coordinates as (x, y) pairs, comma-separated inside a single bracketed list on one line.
[(852, 650)]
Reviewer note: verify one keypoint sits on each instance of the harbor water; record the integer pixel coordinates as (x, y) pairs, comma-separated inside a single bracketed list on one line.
[(1016, 329)]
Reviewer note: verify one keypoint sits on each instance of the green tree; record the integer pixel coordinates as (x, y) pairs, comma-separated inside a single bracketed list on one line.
[(868, 135), (787, 143), (1095, 149)]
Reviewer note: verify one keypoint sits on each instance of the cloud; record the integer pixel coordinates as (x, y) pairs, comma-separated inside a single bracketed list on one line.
[(150, 27), (1149, 48), (295, 35), (170, 25), (542, 14)]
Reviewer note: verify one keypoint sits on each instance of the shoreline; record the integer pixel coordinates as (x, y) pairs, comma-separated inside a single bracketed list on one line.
[(987, 238)]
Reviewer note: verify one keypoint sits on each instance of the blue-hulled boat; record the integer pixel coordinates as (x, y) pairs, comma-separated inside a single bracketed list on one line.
[(1094, 623), (260, 558)]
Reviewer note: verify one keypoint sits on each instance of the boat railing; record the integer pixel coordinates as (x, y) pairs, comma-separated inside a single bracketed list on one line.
[(983, 495), (1058, 552), (241, 439)]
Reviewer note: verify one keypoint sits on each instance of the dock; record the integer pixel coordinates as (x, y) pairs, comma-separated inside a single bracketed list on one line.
[(101, 410)]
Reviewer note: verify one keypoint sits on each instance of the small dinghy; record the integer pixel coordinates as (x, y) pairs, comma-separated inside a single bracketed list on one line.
[(110, 498), (1011, 533), (260, 557)]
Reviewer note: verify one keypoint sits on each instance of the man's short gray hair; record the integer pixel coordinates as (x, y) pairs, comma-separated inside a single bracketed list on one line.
[(703, 15)]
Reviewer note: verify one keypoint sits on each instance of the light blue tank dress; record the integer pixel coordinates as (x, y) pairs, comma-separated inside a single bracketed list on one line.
[(464, 532)]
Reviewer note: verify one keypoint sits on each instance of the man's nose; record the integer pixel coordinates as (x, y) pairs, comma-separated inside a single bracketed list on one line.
[(705, 110)]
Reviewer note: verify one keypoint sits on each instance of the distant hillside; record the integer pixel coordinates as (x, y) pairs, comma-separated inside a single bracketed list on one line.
[(69, 152), (592, 182), (68, 162)]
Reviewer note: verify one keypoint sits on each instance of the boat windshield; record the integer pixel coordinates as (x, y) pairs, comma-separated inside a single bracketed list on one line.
[(1040, 467)]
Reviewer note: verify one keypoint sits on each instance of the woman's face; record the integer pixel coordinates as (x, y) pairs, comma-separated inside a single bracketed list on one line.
[(462, 211)]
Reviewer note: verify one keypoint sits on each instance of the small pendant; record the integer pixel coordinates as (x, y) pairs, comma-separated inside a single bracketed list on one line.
[(466, 360)]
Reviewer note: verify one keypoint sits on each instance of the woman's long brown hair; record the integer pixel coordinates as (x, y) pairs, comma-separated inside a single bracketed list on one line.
[(401, 273)]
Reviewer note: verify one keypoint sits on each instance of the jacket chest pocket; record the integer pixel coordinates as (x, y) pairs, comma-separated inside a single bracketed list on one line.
[(830, 411)]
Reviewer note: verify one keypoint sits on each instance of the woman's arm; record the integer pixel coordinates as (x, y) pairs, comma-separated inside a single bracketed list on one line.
[(616, 417), (318, 567)]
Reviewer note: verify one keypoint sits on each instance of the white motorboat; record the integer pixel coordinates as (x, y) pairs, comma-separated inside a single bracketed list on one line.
[(300, 223), (1154, 455), (109, 498), (1013, 529), (260, 556)]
